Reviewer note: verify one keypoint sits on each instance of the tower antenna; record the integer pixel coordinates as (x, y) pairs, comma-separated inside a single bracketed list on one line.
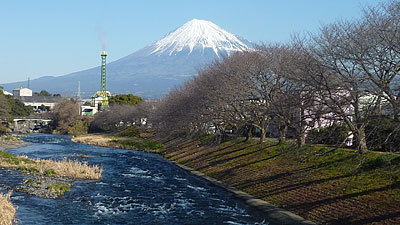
[(103, 88), (79, 90)]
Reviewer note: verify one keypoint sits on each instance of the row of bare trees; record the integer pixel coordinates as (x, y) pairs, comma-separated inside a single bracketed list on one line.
[(347, 73)]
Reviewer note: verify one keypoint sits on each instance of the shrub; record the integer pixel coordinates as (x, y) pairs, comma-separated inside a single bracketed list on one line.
[(383, 134), (59, 188), (3, 129), (50, 173), (379, 161), (18, 108), (125, 99), (79, 127), (336, 134)]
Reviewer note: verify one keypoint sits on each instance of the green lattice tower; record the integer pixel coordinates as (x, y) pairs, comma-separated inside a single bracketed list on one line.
[(103, 88)]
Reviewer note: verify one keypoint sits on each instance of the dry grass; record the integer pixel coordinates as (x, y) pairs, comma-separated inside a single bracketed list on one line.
[(7, 210), (66, 168), (70, 168), (94, 139)]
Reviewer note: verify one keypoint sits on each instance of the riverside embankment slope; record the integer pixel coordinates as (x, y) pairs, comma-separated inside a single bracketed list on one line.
[(325, 185)]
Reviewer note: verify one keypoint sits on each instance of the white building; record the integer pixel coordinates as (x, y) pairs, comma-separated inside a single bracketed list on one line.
[(88, 110), (7, 93), (40, 103), (20, 92)]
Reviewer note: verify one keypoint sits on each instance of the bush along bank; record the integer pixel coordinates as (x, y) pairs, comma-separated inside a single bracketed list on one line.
[(322, 184)]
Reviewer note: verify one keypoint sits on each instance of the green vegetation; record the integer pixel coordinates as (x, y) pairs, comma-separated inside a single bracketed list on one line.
[(11, 107), (130, 132), (26, 169), (14, 159), (59, 188), (128, 99), (50, 173), (17, 108), (383, 134), (320, 183), (79, 127), (45, 93), (42, 93), (10, 138), (143, 144), (335, 134)]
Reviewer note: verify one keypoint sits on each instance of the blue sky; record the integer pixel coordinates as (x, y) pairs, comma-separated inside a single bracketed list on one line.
[(40, 38)]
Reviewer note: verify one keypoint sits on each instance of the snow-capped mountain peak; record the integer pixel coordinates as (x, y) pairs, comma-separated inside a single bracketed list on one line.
[(198, 35)]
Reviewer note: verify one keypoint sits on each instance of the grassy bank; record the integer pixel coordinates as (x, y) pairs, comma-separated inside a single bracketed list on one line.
[(7, 211), (322, 184), (122, 140)]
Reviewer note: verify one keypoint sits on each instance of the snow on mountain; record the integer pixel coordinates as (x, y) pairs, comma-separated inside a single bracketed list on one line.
[(153, 70), (198, 34)]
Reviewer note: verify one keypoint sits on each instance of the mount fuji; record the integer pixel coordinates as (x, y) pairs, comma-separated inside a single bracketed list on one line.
[(153, 70)]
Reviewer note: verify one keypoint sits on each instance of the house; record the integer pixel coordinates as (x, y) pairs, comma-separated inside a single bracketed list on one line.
[(19, 92)]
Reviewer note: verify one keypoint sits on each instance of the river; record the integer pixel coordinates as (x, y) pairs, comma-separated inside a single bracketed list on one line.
[(136, 188)]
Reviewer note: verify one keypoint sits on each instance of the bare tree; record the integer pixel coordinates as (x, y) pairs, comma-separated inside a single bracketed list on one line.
[(338, 79)]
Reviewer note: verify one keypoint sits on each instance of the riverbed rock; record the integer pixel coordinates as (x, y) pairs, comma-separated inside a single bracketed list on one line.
[(38, 185)]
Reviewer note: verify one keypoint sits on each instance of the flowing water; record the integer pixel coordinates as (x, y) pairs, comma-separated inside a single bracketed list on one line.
[(136, 188)]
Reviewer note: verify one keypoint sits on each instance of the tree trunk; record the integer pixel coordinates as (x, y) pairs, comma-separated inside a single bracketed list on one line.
[(263, 134), (247, 132), (301, 133), (362, 141), (301, 137), (282, 133)]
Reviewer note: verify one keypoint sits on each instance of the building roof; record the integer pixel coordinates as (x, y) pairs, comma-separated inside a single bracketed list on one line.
[(16, 89), (7, 93), (42, 99)]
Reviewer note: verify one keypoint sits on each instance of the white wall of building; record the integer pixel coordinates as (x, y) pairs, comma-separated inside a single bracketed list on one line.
[(22, 92)]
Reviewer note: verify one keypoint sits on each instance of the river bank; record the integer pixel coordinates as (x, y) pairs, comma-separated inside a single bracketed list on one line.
[(43, 178), (322, 184), (135, 188), (278, 215), (7, 210)]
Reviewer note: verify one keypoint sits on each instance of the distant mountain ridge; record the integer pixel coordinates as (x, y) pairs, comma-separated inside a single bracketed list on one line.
[(153, 70)]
